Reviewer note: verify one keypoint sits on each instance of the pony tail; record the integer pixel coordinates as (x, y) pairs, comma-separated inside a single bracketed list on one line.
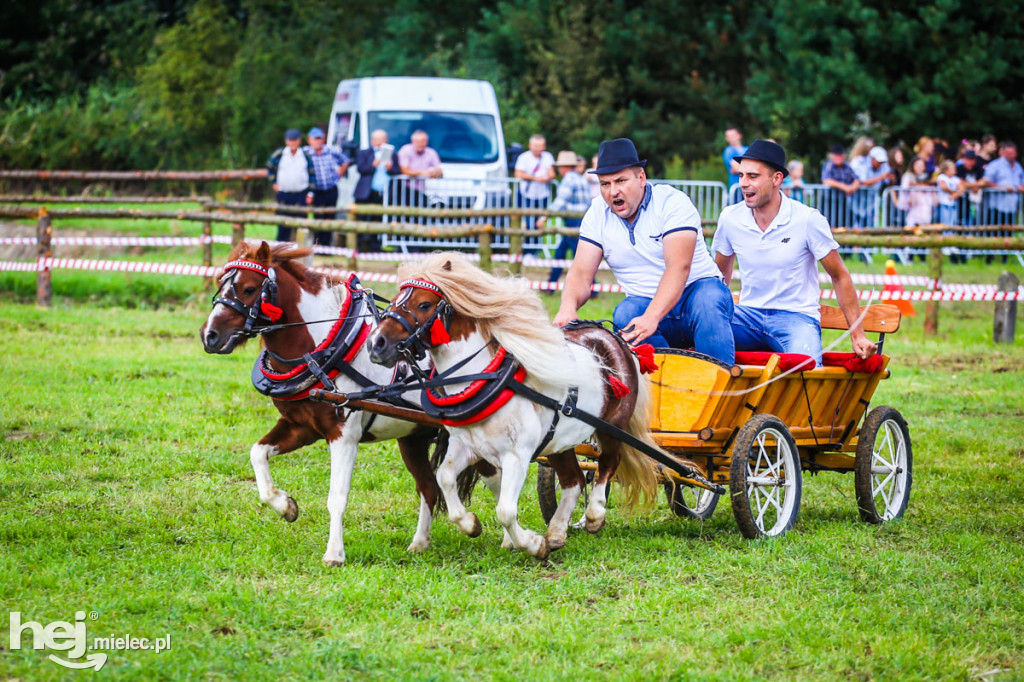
[(636, 473)]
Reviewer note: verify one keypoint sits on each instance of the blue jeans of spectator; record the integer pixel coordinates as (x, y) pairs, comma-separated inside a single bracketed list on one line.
[(565, 245), (781, 331), (530, 223), (699, 320), (284, 234)]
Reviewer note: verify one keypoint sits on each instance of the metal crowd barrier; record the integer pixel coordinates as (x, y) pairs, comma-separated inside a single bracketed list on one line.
[(708, 197)]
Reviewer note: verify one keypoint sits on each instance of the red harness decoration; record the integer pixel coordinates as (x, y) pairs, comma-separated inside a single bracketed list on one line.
[(473, 389), (645, 355), (619, 389)]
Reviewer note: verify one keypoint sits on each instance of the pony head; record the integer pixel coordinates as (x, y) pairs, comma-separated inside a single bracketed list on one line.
[(247, 299)]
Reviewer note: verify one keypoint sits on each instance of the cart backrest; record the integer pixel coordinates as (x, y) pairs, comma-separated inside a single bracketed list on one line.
[(880, 317)]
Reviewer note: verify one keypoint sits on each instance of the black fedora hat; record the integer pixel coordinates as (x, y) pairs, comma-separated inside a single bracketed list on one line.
[(614, 155), (770, 153)]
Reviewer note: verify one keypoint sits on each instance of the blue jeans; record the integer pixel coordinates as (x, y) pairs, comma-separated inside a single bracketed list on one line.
[(699, 320), (780, 331)]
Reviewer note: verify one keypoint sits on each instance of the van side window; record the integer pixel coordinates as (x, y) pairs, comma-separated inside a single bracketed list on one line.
[(342, 121)]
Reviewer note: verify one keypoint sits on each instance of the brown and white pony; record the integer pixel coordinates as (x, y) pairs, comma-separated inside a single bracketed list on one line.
[(261, 287), (482, 312)]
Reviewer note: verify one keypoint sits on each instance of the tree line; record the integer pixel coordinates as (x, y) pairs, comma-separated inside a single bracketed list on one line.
[(148, 84)]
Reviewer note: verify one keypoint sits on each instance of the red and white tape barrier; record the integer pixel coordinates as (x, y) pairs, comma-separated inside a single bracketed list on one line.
[(121, 241)]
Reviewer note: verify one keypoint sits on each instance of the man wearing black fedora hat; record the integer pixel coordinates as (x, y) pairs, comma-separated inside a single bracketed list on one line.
[(779, 242), (651, 237)]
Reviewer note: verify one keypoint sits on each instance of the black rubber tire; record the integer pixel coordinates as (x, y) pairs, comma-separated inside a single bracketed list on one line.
[(679, 498), (888, 418), (745, 447)]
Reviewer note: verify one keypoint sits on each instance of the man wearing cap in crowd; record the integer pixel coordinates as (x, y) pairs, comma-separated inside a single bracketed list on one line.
[(872, 172), (838, 175), (971, 174), (573, 195), (329, 164), (290, 171), (778, 243), (651, 237)]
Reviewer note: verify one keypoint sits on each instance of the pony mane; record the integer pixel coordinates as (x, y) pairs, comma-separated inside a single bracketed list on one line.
[(284, 256), (505, 309)]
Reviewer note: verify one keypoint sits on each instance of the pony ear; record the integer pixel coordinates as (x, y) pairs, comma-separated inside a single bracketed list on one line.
[(263, 253), (447, 266)]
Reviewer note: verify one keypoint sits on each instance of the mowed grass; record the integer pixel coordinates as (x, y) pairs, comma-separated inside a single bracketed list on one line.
[(127, 490)]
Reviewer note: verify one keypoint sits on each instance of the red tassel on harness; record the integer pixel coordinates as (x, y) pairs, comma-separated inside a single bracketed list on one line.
[(645, 354), (438, 334), (271, 311), (619, 389)]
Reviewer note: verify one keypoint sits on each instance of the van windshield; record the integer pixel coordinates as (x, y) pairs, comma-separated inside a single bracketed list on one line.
[(457, 137)]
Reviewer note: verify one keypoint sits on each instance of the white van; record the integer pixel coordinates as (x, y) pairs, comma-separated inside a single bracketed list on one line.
[(459, 115)]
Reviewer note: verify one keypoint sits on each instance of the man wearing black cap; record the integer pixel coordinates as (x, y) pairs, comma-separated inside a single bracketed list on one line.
[(290, 171), (779, 242), (650, 236), (838, 175)]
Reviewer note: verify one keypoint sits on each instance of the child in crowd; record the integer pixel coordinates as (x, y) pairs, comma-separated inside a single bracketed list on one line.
[(949, 191), (916, 193), (793, 184)]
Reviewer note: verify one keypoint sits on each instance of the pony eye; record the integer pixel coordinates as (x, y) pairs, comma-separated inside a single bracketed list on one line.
[(425, 305), (249, 291)]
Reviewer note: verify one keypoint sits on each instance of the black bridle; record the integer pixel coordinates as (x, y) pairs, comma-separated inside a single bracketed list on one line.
[(417, 344), (260, 315)]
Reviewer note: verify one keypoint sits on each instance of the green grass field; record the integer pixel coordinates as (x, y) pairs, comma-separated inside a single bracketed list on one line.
[(127, 492)]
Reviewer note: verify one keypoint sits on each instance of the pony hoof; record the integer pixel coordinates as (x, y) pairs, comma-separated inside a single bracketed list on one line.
[(416, 548), (594, 525), (477, 528), (555, 543), (333, 563), (292, 511), (543, 550)]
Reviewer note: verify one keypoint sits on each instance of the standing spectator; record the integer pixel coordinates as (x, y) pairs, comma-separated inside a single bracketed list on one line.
[(897, 212), (329, 164), (840, 178), (971, 176), (290, 171), (916, 193), (535, 169), (1004, 174), (734, 148), (573, 195), (950, 189), (874, 173), (987, 152), (375, 167), (793, 184), (419, 160), (925, 148)]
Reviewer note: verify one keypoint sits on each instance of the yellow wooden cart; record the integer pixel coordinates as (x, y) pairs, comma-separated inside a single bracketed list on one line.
[(757, 425)]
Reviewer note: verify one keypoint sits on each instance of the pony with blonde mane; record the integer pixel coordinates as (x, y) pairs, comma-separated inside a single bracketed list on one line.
[(587, 364)]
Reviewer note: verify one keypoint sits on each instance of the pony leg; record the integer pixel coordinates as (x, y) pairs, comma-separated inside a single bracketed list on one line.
[(493, 483), (343, 459), (571, 480), (416, 456), (607, 464), (284, 437), (458, 458), (514, 471)]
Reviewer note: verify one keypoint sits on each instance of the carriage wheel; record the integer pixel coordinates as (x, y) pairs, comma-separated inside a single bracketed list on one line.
[(690, 501), (549, 493), (882, 468), (765, 480)]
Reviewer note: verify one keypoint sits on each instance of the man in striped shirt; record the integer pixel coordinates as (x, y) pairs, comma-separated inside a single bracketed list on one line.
[(329, 164)]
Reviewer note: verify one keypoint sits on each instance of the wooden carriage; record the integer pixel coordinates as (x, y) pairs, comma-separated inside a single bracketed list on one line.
[(757, 425)]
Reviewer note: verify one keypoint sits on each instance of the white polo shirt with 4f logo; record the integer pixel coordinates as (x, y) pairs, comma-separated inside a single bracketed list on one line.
[(778, 267), (636, 253)]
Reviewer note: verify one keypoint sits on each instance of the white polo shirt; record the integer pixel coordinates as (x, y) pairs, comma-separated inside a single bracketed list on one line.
[(778, 267), (636, 254), (533, 165), (293, 171)]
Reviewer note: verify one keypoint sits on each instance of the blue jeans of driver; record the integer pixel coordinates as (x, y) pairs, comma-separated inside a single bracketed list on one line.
[(699, 320), (781, 331)]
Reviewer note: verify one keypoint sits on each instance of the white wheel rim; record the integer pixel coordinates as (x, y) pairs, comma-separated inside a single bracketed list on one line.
[(889, 470), (771, 483)]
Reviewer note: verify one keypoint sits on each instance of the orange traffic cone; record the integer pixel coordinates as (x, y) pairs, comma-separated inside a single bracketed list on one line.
[(905, 306)]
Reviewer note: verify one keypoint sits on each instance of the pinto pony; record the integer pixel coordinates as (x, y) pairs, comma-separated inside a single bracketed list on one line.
[(304, 319), (473, 323)]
